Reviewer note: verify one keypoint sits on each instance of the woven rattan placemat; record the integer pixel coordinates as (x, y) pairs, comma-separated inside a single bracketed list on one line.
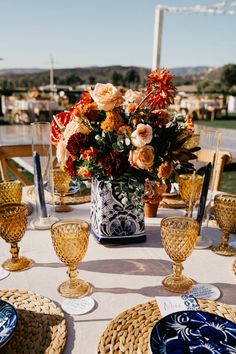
[(172, 201), (41, 327), (129, 331), (68, 199)]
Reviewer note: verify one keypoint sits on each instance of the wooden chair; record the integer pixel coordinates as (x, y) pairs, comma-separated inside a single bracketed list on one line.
[(22, 154), (208, 155)]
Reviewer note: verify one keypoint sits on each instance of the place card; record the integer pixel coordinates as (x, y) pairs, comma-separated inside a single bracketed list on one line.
[(171, 304), (78, 306), (205, 291), (3, 273)]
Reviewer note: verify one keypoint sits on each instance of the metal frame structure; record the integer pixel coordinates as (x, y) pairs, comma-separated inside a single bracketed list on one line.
[(221, 8)]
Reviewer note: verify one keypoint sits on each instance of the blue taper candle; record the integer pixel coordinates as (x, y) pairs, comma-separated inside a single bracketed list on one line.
[(203, 198), (39, 184)]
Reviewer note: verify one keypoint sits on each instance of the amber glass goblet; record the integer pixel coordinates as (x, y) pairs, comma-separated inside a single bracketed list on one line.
[(13, 223), (70, 241), (179, 235), (10, 192), (225, 214), (61, 180), (190, 187)]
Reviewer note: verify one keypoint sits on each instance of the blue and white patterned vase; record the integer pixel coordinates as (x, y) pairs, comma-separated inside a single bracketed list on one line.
[(114, 220)]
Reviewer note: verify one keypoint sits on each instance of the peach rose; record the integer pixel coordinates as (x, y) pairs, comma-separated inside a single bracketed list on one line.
[(77, 125), (106, 96), (62, 153), (142, 135), (142, 157)]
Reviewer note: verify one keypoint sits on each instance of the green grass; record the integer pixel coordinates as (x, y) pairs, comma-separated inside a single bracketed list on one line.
[(228, 181), (227, 122)]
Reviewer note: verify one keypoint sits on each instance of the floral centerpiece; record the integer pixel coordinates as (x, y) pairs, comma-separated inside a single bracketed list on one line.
[(124, 138)]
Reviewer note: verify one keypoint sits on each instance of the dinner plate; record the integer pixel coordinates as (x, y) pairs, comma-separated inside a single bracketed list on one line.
[(193, 332), (8, 322)]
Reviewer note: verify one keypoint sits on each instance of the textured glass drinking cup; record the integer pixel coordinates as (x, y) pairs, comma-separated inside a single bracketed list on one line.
[(61, 181), (10, 192), (190, 187), (70, 241), (179, 235), (225, 214), (13, 223)]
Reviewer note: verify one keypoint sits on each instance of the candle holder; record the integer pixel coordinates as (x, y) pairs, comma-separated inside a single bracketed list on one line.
[(43, 178)]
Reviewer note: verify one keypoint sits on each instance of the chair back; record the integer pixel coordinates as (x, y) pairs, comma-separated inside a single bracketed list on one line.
[(209, 155)]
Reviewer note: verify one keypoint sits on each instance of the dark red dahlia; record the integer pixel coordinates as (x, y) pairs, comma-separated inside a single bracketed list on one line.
[(70, 166), (77, 142), (115, 163)]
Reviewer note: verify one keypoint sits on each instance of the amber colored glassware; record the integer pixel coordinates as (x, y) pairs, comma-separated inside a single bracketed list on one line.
[(10, 192), (61, 180), (70, 241), (225, 214), (190, 190), (179, 235), (13, 223)]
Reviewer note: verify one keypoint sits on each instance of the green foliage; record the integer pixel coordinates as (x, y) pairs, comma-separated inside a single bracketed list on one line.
[(228, 75), (208, 86)]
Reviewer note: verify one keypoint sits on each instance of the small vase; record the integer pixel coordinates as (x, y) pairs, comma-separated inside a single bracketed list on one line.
[(150, 209), (114, 221)]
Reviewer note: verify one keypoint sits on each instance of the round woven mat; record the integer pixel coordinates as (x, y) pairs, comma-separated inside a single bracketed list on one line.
[(129, 331), (172, 201), (234, 267), (41, 327), (68, 199)]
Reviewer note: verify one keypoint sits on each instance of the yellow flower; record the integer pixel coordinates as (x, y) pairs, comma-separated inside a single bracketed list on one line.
[(112, 122)]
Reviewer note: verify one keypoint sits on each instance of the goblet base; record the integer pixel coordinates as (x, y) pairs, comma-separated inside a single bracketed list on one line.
[(181, 284), (224, 250), (63, 208), (21, 263), (80, 290), (203, 242)]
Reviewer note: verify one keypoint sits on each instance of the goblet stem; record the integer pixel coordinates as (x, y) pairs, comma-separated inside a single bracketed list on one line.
[(225, 238), (223, 248), (177, 270), (14, 251), (62, 207), (72, 272)]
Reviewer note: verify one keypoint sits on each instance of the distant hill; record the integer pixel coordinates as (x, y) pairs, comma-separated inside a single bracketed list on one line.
[(179, 71), (129, 76), (190, 70), (20, 71)]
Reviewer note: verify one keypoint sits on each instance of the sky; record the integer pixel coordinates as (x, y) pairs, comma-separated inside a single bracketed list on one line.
[(82, 33)]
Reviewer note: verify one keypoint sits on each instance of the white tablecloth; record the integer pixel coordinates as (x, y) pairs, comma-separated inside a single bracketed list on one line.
[(121, 276)]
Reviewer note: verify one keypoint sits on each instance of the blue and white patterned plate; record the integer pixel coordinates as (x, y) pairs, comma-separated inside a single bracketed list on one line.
[(196, 332), (8, 322)]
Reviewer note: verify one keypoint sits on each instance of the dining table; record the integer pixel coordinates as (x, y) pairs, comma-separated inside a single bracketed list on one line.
[(121, 276)]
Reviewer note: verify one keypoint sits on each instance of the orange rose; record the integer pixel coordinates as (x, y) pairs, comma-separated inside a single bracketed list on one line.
[(165, 170), (142, 157), (84, 172)]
